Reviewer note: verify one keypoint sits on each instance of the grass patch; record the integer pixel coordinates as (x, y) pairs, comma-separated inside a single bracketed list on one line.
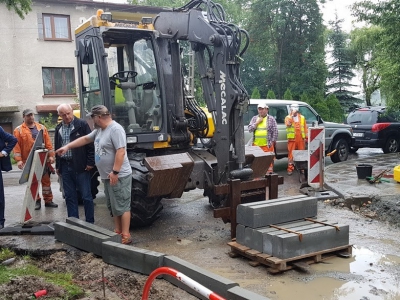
[(64, 280)]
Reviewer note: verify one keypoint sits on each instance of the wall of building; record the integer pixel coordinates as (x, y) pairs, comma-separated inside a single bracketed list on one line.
[(24, 52)]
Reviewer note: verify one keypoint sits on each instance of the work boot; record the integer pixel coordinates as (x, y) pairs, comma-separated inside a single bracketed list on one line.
[(51, 204), (37, 205)]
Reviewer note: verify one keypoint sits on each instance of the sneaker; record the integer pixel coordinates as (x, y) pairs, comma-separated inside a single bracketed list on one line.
[(126, 239), (289, 173), (37, 205), (51, 204)]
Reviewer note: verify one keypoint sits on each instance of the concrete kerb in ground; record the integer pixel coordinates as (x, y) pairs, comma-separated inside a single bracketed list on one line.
[(105, 243)]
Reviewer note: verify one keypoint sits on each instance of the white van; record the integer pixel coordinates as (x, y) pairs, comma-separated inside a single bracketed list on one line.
[(337, 136)]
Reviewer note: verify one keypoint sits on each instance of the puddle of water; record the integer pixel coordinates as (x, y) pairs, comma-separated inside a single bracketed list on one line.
[(183, 242), (366, 275)]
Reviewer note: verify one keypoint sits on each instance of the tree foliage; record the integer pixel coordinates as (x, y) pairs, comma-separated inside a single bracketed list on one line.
[(271, 95), (287, 46), (255, 94), (288, 95), (365, 51), (385, 14), (21, 7), (341, 69)]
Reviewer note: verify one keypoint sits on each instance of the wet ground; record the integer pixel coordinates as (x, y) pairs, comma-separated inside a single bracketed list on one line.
[(188, 230)]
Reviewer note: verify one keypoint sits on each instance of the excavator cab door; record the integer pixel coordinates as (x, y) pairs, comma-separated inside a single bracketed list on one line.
[(118, 69)]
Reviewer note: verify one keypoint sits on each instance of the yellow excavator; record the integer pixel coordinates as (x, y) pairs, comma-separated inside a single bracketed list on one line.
[(135, 70)]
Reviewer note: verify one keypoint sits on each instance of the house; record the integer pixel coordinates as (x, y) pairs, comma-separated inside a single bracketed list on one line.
[(37, 54)]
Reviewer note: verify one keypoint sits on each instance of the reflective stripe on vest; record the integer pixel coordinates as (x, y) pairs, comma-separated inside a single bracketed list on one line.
[(290, 132), (261, 133)]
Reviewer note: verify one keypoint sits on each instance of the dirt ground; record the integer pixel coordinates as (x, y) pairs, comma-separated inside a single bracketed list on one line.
[(87, 273)]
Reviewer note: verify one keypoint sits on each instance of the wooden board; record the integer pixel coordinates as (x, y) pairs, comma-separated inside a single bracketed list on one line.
[(277, 265)]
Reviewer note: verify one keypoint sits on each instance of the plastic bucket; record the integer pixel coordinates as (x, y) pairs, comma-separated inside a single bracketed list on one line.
[(364, 171)]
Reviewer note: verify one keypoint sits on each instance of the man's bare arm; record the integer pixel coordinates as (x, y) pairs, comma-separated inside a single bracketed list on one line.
[(74, 144)]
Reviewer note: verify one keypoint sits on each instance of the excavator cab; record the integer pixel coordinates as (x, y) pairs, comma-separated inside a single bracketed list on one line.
[(121, 73)]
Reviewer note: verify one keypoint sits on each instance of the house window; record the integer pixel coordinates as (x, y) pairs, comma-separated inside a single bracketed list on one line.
[(56, 28), (58, 81)]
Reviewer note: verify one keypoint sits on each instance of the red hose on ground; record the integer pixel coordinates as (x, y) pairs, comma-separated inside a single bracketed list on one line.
[(182, 278)]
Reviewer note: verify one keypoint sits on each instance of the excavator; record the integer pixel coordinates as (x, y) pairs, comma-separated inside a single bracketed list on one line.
[(135, 69)]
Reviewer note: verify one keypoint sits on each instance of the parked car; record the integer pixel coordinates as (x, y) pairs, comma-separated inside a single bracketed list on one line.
[(375, 127), (337, 136)]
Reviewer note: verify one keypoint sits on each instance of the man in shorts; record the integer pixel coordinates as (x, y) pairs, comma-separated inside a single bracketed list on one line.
[(112, 163)]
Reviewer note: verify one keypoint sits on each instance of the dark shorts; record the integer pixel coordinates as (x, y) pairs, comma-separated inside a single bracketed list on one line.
[(119, 195)]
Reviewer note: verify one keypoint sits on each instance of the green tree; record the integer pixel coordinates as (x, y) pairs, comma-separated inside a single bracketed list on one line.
[(271, 95), (288, 95), (341, 69), (322, 109), (21, 7), (289, 45), (385, 14), (366, 52), (255, 94), (336, 113)]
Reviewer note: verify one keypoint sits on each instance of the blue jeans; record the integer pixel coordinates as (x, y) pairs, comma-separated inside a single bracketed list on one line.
[(72, 182), (2, 201)]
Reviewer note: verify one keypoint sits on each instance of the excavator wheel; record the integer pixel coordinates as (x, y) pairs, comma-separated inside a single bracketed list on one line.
[(144, 210)]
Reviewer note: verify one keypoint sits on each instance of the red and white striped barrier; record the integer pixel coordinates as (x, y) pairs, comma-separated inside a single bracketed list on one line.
[(316, 156), (182, 278), (32, 189)]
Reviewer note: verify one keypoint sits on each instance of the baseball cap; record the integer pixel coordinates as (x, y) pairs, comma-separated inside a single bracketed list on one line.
[(27, 111), (262, 105), (294, 106), (98, 110)]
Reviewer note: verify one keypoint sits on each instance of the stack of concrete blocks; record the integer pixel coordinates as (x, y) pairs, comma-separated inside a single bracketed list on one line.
[(107, 244), (254, 230)]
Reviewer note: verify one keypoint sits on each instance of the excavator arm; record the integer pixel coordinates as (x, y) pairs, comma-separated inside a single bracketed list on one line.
[(218, 49)]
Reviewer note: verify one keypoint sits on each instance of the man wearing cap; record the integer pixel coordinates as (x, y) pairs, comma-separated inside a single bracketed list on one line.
[(265, 131), (112, 162), (75, 165), (26, 134), (296, 133)]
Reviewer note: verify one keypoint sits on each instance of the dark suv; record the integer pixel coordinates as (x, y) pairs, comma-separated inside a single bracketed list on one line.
[(375, 127)]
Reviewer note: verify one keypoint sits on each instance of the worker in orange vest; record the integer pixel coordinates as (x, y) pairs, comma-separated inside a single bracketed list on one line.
[(296, 133)]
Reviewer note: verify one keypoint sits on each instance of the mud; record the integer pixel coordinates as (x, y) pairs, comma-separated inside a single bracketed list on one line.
[(87, 272)]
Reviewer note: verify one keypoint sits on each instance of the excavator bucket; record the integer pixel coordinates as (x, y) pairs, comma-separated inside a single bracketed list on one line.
[(258, 160), (169, 174)]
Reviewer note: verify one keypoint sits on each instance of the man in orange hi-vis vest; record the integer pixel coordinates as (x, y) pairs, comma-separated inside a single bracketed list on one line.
[(26, 134), (296, 132)]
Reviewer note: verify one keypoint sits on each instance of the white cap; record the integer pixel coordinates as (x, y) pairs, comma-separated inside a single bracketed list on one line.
[(262, 105), (296, 106)]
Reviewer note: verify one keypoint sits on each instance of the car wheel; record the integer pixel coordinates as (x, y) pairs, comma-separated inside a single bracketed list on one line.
[(353, 149), (391, 145), (342, 151)]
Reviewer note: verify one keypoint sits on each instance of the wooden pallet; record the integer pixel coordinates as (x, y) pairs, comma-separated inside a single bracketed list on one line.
[(277, 265)]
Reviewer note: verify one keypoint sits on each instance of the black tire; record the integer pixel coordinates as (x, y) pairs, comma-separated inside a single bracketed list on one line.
[(144, 210), (353, 149), (391, 145), (342, 150)]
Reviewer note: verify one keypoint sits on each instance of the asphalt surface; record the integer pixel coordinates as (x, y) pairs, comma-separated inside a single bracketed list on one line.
[(341, 178)]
